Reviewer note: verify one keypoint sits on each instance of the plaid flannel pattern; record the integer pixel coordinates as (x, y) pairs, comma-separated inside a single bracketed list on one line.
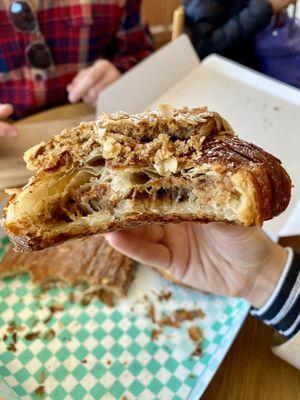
[(77, 33)]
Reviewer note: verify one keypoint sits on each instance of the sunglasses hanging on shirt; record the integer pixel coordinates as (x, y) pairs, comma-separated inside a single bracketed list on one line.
[(24, 20)]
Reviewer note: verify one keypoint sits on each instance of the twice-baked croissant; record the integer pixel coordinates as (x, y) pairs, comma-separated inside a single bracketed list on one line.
[(121, 171)]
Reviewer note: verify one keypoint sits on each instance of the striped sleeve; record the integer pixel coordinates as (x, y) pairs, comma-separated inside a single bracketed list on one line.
[(282, 310)]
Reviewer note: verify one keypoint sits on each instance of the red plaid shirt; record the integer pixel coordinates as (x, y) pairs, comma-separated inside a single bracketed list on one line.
[(77, 33)]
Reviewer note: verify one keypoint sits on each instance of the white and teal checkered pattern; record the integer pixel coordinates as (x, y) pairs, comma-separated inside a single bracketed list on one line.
[(120, 359)]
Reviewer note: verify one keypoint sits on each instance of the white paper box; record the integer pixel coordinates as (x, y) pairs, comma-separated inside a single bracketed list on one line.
[(144, 83)]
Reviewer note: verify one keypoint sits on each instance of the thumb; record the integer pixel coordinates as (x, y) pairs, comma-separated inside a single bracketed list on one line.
[(140, 249), (6, 110)]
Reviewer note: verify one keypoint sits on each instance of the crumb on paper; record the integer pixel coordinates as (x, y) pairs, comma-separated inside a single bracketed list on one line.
[(49, 335), (198, 351), (168, 320), (13, 327), (11, 347), (151, 312), (86, 300), (155, 334), (84, 361), (52, 310), (175, 320), (165, 295), (195, 333), (15, 337), (32, 335), (56, 308), (177, 317), (40, 392), (48, 318), (188, 315)]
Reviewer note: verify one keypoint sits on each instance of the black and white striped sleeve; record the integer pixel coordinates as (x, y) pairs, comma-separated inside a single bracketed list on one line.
[(282, 310)]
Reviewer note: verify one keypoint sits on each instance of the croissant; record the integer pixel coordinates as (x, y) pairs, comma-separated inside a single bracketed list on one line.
[(121, 171)]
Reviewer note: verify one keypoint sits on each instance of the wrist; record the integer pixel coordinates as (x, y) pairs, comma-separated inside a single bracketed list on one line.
[(266, 280)]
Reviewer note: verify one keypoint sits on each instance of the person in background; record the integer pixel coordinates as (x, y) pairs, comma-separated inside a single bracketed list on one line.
[(54, 52), (229, 27), (226, 260)]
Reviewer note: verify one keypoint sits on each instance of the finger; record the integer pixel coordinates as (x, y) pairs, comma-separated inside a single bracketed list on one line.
[(76, 79), (111, 76), (92, 95), (141, 250), (80, 89), (6, 110), (7, 130), (151, 233), (69, 87), (79, 75)]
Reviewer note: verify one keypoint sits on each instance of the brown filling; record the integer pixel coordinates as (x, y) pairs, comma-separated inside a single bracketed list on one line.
[(147, 188)]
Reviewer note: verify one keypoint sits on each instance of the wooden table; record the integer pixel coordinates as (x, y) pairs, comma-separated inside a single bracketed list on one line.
[(250, 371), (33, 130)]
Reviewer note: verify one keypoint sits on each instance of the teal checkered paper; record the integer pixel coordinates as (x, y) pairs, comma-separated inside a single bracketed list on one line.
[(106, 353)]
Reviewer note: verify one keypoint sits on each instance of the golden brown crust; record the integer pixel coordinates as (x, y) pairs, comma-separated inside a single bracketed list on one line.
[(192, 151), (273, 184), (36, 243)]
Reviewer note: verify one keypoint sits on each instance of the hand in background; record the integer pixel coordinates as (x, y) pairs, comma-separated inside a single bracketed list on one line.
[(280, 5), (6, 129), (217, 258), (89, 82)]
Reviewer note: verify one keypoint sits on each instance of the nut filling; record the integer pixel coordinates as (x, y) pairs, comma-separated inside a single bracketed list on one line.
[(136, 192)]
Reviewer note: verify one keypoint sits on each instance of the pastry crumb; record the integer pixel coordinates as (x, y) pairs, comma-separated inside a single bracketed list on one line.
[(195, 333)]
